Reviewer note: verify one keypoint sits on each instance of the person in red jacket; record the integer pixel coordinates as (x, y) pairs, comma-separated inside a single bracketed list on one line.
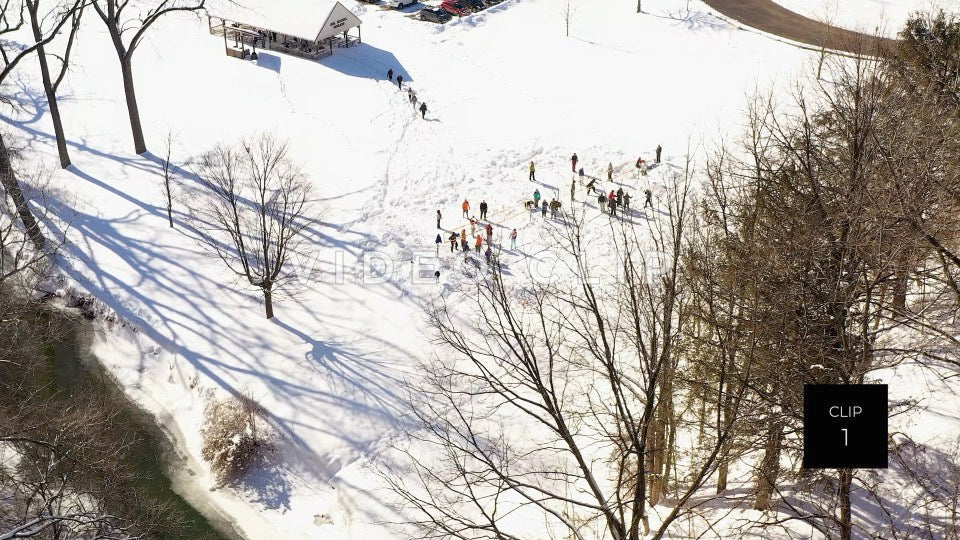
[(479, 242), (466, 208)]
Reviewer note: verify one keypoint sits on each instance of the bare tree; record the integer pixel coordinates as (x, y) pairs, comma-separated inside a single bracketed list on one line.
[(568, 12), (551, 399), (251, 211), (127, 22), (168, 174), (44, 15)]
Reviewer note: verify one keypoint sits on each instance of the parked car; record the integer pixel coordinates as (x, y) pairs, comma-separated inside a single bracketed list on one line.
[(399, 3), (474, 5), (438, 16), (455, 7)]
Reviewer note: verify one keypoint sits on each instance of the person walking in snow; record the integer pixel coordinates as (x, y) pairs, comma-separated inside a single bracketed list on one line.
[(590, 186), (533, 171), (659, 149), (619, 196), (400, 82), (439, 215), (390, 74), (649, 195), (464, 246), (513, 239), (489, 233), (612, 204), (463, 236), (543, 209), (610, 172), (453, 241), (602, 202), (423, 110), (438, 241), (573, 162), (611, 196), (580, 172), (473, 226), (643, 168), (436, 274), (626, 202), (479, 243), (466, 208), (410, 94), (536, 197), (483, 209), (573, 187), (487, 254)]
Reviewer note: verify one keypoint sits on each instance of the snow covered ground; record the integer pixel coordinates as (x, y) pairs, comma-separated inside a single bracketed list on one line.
[(881, 17), (503, 87)]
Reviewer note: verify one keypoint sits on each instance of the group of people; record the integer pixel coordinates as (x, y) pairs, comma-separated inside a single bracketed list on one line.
[(411, 95), (554, 205), (608, 203), (460, 242), (615, 199)]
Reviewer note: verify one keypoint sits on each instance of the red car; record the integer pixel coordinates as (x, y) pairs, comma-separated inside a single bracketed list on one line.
[(455, 7)]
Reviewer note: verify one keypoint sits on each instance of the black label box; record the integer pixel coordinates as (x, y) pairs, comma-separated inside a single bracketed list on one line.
[(845, 426)]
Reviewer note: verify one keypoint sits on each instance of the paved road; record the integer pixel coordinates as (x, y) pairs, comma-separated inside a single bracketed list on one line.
[(770, 17)]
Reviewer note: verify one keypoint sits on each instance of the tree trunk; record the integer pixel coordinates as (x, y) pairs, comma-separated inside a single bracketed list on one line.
[(770, 465), (8, 179), (723, 470), (126, 68), (49, 90), (846, 526), (268, 302), (639, 6)]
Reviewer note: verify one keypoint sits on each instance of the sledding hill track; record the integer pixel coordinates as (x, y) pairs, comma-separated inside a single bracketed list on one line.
[(768, 16)]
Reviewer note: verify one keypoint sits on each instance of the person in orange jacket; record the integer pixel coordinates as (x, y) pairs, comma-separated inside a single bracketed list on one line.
[(479, 242), (466, 208)]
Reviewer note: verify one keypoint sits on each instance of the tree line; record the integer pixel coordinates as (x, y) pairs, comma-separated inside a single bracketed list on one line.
[(819, 246)]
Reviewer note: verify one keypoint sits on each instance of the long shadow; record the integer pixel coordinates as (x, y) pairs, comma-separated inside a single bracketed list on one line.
[(366, 62)]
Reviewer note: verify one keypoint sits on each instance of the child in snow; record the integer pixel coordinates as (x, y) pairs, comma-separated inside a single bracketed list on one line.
[(580, 173), (473, 227), (487, 254)]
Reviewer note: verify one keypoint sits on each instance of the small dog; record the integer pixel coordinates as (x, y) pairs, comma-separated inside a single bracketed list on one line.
[(528, 205)]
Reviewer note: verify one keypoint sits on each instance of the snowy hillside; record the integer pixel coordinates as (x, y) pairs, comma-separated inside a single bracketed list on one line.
[(503, 88)]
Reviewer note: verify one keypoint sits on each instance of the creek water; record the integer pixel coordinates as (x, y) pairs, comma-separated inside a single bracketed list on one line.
[(75, 370)]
